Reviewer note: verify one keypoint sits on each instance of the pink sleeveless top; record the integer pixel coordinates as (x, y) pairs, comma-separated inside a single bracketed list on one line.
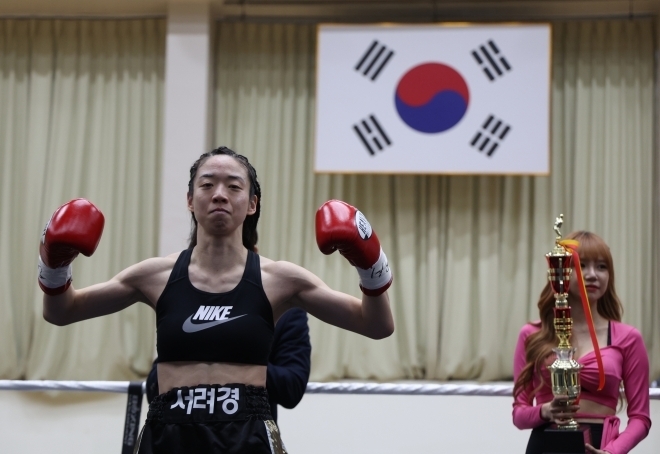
[(625, 361)]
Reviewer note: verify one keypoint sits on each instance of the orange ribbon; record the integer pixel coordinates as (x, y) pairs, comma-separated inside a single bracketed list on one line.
[(572, 246)]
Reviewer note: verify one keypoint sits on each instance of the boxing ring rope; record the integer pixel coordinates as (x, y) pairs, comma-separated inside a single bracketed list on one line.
[(67, 385), (136, 390), (440, 389)]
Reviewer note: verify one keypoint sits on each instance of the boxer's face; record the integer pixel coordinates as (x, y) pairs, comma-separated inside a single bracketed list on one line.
[(221, 195)]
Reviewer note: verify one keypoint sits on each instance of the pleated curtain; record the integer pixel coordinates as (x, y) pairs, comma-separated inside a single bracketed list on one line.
[(80, 116), (467, 252)]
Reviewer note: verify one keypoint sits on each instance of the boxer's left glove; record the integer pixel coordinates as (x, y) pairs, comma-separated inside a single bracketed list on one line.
[(74, 228), (342, 227)]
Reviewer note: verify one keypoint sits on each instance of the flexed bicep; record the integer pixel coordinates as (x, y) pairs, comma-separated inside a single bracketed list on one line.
[(94, 301), (331, 306), (370, 316), (142, 282)]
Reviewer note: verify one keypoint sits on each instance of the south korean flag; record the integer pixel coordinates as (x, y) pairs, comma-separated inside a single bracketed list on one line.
[(433, 99)]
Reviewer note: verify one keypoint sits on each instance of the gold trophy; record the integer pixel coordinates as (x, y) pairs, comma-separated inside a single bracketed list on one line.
[(567, 436)]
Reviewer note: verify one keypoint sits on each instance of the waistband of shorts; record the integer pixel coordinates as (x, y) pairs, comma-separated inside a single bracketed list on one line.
[(208, 403)]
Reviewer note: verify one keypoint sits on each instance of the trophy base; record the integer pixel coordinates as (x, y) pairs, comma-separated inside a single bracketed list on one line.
[(566, 441)]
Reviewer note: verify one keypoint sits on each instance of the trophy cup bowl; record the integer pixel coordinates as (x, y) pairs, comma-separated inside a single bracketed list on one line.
[(566, 436)]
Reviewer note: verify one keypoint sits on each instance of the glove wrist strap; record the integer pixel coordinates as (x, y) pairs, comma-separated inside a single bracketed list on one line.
[(376, 277), (54, 277)]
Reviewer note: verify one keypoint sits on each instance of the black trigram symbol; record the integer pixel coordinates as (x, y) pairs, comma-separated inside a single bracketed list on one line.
[(372, 134), (490, 59), (492, 132), (374, 60)]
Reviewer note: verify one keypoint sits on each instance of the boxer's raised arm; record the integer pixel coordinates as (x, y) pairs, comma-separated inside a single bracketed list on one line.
[(340, 226), (75, 228)]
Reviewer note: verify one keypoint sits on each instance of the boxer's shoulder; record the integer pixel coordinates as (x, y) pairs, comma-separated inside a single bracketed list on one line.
[(282, 270), (153, 271)]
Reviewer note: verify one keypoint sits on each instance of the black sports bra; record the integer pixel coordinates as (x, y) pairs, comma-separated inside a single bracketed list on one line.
[(193, 325)]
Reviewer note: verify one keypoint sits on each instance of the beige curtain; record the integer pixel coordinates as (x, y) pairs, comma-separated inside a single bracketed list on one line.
[(80, 116), (467, 252)]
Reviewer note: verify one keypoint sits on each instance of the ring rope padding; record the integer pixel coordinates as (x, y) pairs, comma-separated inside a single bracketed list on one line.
[(425, 389)]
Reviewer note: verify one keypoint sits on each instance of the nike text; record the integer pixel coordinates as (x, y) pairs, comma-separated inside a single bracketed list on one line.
[(212, 313)]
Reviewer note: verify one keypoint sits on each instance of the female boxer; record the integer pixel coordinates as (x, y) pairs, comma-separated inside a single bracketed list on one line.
[(216, 304)]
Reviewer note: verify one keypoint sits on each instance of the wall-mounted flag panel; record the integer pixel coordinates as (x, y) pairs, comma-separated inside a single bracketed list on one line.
[(456, 99)]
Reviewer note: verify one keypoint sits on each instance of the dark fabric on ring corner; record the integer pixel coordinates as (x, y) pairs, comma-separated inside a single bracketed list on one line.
[(132, 420), (289, 364)]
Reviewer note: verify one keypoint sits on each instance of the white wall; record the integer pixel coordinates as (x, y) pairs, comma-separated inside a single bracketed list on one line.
[(324, 424), (74, 423), (67, 422)]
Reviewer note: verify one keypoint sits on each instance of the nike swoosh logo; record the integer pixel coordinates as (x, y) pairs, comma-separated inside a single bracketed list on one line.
[(190, 327)]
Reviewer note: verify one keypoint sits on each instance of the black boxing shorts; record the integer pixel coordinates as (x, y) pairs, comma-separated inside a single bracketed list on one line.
[(227, 419)]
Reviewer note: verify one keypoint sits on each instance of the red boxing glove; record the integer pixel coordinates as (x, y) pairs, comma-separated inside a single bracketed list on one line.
[(75, 227), (340, 226)]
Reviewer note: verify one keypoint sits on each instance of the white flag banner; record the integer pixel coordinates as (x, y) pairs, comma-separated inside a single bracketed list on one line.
[(433, 99)]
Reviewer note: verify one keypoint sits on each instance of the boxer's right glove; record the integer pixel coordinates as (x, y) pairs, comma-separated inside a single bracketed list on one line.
[(75, 227), (340, 226)]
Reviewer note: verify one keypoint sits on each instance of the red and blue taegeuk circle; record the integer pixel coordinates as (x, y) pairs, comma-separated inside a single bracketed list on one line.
[(432, 97)]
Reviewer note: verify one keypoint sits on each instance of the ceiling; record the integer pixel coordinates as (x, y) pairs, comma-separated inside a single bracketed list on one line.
[(359, 10)]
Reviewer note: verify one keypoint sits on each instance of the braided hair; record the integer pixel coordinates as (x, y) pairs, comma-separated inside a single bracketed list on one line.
[(250, 235)]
